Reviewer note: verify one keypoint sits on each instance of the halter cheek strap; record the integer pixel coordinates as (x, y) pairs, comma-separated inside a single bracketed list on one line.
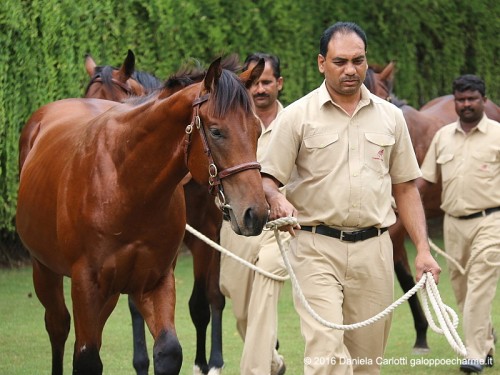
[(215, 177)]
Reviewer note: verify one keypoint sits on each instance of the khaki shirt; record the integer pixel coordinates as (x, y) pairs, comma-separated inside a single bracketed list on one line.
[(265, 136), (469, 165), (345, 165)]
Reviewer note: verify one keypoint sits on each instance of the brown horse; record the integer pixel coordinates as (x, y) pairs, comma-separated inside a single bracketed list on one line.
[(99, 201), (422, 125), (444, 108), (207, 302)]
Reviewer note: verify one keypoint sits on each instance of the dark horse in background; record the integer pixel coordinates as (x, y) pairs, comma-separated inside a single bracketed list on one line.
[(422, 125), (100, 202), (206, 302)]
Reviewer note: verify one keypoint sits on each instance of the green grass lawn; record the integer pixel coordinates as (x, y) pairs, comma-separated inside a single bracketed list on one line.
[(25, 349)]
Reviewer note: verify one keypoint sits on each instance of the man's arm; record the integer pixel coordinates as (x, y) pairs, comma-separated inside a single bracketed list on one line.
[(279, 205), (411, 212)]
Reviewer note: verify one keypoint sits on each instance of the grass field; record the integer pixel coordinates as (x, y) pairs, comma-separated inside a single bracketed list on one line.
[(24, 345)]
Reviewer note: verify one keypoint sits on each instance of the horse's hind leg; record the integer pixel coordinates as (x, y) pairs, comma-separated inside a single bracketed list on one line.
[(405, 278), (141, 358), (200, 316), (49, 290), (217, 303)]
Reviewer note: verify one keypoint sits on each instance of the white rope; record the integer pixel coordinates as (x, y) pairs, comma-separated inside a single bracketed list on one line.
[(218, 247), (473, 257), (442, 311), (448, 319)]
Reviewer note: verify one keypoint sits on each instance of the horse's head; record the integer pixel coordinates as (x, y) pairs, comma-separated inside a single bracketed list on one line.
[(229, 130), (110, 83), (379, 80)]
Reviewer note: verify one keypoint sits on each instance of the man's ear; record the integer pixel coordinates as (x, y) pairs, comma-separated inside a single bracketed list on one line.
[(321, 62)]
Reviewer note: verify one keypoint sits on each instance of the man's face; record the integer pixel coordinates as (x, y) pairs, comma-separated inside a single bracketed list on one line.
[(469, 106), (266, 90), (344, 65)]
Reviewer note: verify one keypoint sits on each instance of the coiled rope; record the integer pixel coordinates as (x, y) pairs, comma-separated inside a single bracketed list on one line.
[(448, 319)]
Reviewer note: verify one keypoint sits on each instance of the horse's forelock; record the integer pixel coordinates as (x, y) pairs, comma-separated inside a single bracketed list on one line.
[(105, 73), (230, 94)]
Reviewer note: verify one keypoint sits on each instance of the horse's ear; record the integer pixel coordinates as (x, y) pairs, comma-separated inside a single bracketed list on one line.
[(128, 67), (213, 74), (387, 74), (249, 77), (90, 65)]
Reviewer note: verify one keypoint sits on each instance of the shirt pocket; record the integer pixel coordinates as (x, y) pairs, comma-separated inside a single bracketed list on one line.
[(321, 151), (486, 164), (377, 153), (445, 161)]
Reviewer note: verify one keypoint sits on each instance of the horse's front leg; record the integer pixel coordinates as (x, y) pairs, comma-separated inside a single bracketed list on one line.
[(141, 358), (91, 309), (49, 290), (158, 309)]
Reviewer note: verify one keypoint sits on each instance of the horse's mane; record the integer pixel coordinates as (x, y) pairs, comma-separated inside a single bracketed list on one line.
[(230, 94), (105, 73), (371, 80), (147, 80)]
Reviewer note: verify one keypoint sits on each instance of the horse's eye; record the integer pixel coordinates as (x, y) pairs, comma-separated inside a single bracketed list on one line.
[(216, 133)]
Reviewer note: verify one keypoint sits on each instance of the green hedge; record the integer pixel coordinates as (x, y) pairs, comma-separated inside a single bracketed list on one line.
[(43, 43)]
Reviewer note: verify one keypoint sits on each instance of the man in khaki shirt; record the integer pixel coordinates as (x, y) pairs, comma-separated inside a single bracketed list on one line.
[(340, 151), (466, 156), (255, 296)]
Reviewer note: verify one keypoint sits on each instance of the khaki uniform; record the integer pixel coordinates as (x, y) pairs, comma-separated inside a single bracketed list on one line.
[(254, 296), (338, 171), (469, 167)]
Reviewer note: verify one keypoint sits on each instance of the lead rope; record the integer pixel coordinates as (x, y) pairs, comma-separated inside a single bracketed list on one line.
[(448, 319), (473, 257), (429, 292)]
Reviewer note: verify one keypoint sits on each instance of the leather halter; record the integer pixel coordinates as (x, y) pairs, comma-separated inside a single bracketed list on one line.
[(215, 177), (124, 86)]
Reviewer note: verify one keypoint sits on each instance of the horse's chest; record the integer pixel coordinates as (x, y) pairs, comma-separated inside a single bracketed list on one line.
[(134, 269)]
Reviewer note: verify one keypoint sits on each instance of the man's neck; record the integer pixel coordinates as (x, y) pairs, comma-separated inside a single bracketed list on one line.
[(348, 103), (267, 115), (468, 126)]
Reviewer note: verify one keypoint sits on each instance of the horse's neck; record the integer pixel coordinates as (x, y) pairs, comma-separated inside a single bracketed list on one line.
[(153, 138)]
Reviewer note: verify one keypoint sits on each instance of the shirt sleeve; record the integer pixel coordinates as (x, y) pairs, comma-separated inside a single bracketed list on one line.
[(278, 159), (404, 165), (430, 170)]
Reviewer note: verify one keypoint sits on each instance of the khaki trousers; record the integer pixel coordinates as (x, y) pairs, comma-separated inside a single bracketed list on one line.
[(344, 283), (474, 292), (254, 296)]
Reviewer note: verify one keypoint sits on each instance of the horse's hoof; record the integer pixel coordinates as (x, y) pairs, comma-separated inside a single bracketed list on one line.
[(197, 370), (215, 371), (420, 351)]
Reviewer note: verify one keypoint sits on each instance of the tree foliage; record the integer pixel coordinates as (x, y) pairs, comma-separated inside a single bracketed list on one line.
[(43, 43)]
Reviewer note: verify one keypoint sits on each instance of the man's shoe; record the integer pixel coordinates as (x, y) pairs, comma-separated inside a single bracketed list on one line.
[(471, 366), (489, 361)]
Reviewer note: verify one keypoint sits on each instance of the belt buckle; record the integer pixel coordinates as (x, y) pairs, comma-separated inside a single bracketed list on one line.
[(341, 235)]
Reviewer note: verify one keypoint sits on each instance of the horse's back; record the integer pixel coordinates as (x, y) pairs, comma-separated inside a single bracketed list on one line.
[(443, 107)]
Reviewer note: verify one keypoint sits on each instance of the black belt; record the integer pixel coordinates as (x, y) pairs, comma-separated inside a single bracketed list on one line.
[(359, 235), (480, 213)]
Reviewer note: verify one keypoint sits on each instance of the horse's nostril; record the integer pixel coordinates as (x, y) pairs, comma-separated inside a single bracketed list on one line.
[(253, 222)]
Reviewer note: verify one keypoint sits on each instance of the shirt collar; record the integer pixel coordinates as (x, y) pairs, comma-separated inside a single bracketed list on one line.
[(481, 126), (366, 96)]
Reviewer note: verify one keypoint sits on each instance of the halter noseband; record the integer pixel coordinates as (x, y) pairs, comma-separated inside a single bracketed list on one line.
[(215, 177)]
